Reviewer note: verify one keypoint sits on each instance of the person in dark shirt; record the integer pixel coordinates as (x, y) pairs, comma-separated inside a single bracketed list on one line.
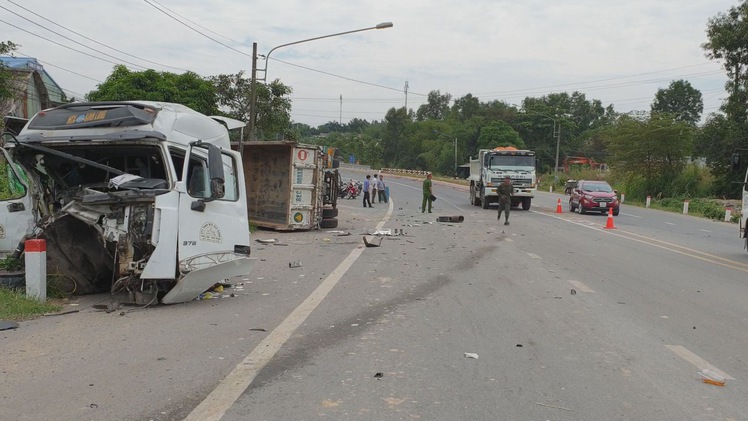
[(505, 191)]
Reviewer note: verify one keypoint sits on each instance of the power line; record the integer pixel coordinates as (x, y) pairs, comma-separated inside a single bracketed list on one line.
[(206, 36), (198, 25), (90, 39), (70, 39), (63, 45)]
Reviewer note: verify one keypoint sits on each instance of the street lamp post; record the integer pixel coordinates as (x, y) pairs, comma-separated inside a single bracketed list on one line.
[(455, 142), (253, 94)]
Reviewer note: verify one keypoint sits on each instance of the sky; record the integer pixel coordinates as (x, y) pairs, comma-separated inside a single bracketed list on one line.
[(618, 52)]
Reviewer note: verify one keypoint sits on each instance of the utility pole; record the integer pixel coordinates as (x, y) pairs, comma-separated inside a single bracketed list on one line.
[(406, 97), (252, 98), (340, 120)]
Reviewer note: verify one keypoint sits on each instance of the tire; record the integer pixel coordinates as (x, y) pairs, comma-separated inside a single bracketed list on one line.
[(572, 208), (616, 211), (473, 200), (581, 210), (483, 202), (329, 213), (328, 223), (526, 203)]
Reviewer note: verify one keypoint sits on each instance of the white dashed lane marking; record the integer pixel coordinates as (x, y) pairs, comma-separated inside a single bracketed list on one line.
[(697, 361), (580, 286)]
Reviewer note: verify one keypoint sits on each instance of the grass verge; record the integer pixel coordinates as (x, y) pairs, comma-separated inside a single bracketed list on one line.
[(15, 306)]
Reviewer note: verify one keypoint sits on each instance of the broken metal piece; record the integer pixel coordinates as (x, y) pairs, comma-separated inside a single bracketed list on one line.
[(456, 218), (373, 241), (6, 325), (296, 264)]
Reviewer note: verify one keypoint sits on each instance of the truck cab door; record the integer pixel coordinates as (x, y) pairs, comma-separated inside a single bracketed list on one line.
[(16, 205), (210, 224)]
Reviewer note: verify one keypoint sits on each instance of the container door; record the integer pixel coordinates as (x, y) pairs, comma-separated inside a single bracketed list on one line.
[(16, 216), (304, 198)]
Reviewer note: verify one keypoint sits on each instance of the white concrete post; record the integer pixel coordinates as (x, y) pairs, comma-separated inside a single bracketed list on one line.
[(728, 213), (36, 269), (550, 189), (623, 197), (649, 201), (685, 207)]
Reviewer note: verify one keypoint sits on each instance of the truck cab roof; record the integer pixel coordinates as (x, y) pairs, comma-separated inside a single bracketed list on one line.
[(130, 120)]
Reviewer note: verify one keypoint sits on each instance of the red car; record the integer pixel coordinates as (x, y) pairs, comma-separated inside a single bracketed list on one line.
[(593, 196)]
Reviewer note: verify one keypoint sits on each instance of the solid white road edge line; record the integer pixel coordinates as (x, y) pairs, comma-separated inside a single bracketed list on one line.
[(220, 400)]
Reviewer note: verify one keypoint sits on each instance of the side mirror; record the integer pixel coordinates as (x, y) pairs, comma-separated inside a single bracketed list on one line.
[(735, 162), (215, 170)]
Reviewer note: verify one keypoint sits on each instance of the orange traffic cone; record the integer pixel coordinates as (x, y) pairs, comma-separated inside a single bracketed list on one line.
[(558, 207), (609, 225)]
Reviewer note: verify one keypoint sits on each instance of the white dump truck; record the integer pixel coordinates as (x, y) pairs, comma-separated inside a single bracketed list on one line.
[(490, 168), (143, 197)]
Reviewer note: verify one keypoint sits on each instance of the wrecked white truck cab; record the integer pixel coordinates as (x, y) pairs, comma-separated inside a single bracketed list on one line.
[(141, 196)]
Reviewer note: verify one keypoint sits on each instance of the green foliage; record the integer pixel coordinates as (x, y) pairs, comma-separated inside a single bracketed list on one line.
[(6, 76), (499, 133), (717, 140), (693, 181), (436, 107), (11, 265), (727, 35), (15, 306), (708, 208), (681, 100), (188, 89), (653, 148)]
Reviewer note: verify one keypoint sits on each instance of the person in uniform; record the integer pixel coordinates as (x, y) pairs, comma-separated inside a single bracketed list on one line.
[(505, 191), (427, 194)]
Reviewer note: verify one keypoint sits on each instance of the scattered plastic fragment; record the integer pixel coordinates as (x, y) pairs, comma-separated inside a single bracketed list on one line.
[(267, 241), (378, 375), (296, 264), (711, 377), (471, 355)]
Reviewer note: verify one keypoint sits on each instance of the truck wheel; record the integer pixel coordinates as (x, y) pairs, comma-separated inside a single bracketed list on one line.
[(328, 223), (526, 202), (473, 199), (484, 202), (329, 213)]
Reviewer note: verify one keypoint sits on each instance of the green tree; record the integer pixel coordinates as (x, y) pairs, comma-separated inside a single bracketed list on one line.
[(6, 76), (681, 100), (436, 107), (499, 133), (654, 149), (466, 107), (727, 35), (272, 105), (394, 140), (188, 89)]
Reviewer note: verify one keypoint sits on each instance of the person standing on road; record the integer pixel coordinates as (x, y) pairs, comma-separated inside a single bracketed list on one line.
[(374, 188), (367, 189), (381, 188), (428, 193), (505, 191)]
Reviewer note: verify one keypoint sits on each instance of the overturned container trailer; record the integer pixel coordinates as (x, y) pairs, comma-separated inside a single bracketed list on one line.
[(290, 185), (138, 196)]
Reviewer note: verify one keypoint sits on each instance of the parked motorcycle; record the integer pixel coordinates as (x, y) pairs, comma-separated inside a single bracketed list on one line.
[(351, 190)]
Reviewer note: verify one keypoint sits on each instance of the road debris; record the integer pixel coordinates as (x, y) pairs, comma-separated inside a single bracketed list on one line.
[(471, 355), (455, 218), (267, 240), (553, 406), (296, 264), (711, 377), (6, 325), (378, 375), (373, 241)]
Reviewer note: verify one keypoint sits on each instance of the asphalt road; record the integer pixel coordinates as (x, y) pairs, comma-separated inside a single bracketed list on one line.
[(550, 318)]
